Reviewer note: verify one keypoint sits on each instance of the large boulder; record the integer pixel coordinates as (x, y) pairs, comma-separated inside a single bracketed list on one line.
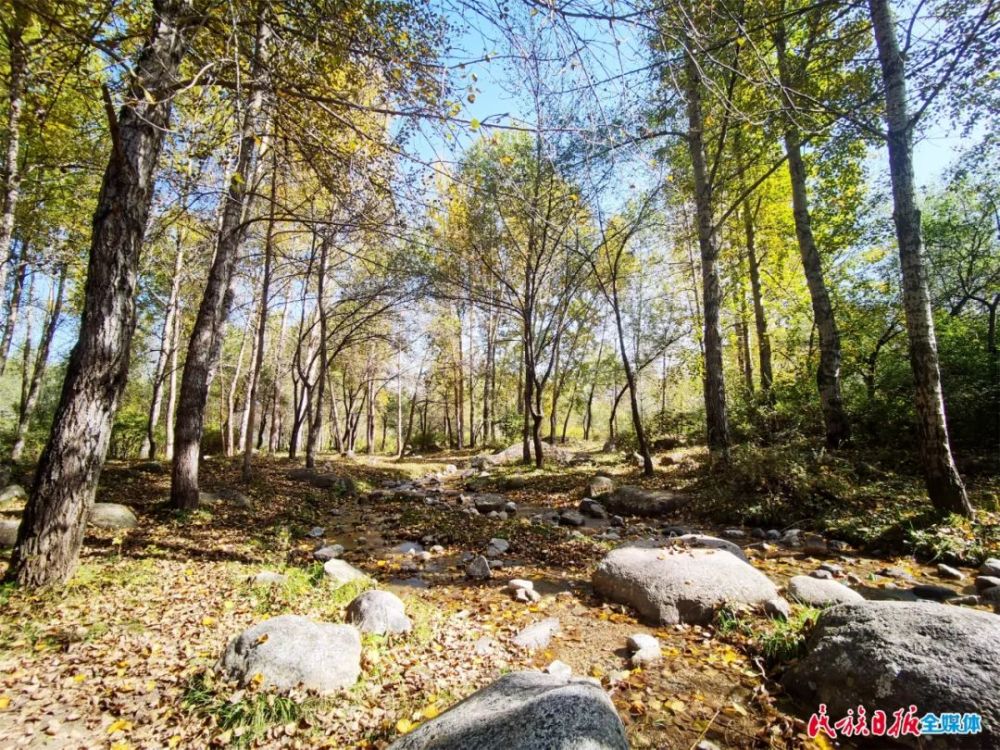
[(379, 612), (671, 585), (514, 455), (600, 486), (708, 542), (525, 711), (891, 655), (112, 516), (628, 500), (13, 493), (821, 592), (8, 532), (292, 651)]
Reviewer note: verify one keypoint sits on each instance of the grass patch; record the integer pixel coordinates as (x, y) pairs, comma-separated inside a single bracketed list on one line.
[(244, 717), (776, 642)]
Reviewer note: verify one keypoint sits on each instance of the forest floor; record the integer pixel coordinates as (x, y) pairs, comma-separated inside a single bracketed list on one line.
[(123, 656)]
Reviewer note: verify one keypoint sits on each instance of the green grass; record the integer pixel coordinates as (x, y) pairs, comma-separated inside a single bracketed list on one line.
[(247, 719)]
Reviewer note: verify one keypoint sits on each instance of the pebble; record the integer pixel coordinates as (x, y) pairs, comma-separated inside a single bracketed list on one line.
[(645, 649), (559, 669), (316, 532), (479, 568), (832, 568), (822, 574), (946, 571), (520, 583)]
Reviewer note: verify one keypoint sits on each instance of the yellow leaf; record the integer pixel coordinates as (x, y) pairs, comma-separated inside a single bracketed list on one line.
[(596, 671), (404, 725), (677, 706), (121, 746), (208, 621), (4, 701), (431, 711), (119, 725), (174, 741), (474, 124), (78, 678)]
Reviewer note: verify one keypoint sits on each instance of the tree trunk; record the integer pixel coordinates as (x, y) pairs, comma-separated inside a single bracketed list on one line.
[(175, 342), (312, 438), (30, 397), (229, 433), (14, 308), (206, 337), (714, 380), (760, 320), (51, 531), (163, 357), (10, 176), (633, 395), (944, 485), (258, 362)]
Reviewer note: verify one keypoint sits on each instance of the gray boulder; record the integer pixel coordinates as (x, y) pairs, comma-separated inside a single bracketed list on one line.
[(887, 655), (13, 493), (592, 508), (478, 568), (291, 651), (537, 635), (328, 552), (341, 572), (708, 542), (819, 592), (599, 487), (987, 582), (670, 585), (525, 711), (112, 516), (487, 503), (636, 501), (8, 532), (379, 612), (571, 518)]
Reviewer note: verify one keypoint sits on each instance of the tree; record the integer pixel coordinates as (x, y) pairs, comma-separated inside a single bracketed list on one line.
[(944, 485), (51, 531)]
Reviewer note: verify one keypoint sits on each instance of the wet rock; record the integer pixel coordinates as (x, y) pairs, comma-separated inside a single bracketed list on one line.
[(970, 600), (952, 574), (571, 518), (894, 572), (379, 612), (408, 548), (990, 567), (537, 635), (478, 568), (291, 651), (328, 552), (933, 592), (773, 535), (987, 582), (112, 516), (525, 711), (316, 532)]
